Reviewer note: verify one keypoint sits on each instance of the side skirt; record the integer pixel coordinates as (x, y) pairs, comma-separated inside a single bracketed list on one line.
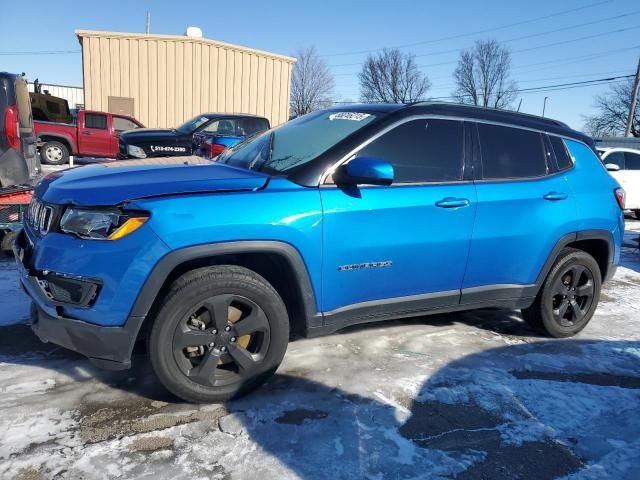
[(495, 296)]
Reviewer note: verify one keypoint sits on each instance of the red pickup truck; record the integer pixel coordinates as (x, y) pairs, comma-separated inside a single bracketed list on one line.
[(94, 134)]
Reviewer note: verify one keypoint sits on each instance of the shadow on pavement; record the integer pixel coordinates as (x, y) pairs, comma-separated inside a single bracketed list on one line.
[(532, 411)]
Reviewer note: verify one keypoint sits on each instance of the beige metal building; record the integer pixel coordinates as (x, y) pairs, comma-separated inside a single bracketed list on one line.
[(163, 80)]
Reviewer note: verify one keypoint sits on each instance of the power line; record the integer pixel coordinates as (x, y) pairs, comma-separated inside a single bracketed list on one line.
[(41, 52), (555, 44), (524, 37), (548, 88), (558, 86), (478, 32)]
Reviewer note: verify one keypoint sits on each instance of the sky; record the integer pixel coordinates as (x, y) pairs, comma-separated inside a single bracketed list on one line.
[(577, 40)]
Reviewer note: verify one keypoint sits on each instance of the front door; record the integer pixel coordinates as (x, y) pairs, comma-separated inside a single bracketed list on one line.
[(403, 245), (94, 136)]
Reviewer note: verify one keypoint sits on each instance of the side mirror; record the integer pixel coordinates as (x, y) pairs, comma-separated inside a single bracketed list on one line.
[(364, 171), (612, 167)]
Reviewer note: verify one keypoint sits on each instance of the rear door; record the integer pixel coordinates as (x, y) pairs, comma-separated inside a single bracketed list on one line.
[(524, 207), (94, 136), (408, 241)]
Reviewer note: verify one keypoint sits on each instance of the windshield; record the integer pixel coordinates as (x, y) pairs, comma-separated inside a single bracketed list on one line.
[(190, 126), (296, 142)]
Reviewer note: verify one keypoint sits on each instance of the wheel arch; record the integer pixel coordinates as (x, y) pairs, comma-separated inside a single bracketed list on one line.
[(56, 137), (597, 243), (278, 262)]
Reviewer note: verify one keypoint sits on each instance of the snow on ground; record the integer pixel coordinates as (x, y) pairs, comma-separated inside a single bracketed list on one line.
[(470, 395)]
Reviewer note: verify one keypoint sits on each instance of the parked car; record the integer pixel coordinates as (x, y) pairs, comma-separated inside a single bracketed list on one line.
[(225, 132), (624, 165), (342, 216), (18, 159), (179, 141), (93, 134)]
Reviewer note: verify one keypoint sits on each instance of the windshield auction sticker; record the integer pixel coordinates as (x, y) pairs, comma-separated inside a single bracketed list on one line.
[(355, 116)]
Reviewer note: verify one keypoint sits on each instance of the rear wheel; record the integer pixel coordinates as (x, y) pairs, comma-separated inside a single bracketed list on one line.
[(54, 153), (220, 332), (569, 296)]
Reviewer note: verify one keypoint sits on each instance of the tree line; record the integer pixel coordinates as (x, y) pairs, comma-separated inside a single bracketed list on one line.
[(482, 77)]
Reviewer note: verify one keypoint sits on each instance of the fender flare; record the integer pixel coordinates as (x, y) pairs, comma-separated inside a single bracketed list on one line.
[(60, 136), (605, 235), (169, 262)]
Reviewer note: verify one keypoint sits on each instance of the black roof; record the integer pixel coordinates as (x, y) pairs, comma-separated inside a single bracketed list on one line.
[(388, 113), (473, 113)]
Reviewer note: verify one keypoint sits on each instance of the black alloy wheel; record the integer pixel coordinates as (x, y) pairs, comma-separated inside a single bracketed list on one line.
[(222, 341)]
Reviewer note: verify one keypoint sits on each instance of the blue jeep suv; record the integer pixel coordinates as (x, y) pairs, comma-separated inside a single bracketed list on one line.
[(342, 216)]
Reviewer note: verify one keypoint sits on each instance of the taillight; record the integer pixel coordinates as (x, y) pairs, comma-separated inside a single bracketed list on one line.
[(12, 132), (215, 149), (621, 197)]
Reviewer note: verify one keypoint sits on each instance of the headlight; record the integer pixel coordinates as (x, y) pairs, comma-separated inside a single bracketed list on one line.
[(136, 151), (100, 224)]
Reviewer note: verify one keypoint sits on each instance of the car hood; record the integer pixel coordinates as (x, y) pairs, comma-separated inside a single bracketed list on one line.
[(114, 183)]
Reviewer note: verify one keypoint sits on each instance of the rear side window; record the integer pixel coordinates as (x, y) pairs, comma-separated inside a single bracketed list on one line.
[(632, 161), (511, 152), (249, 126), (562, 155), (617, 158), (421, 151), (225, 126), (97, 121)]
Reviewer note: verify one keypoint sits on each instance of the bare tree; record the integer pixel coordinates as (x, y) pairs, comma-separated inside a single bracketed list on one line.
[(392, 76), (613, 109), (482, 76), (311, 83)]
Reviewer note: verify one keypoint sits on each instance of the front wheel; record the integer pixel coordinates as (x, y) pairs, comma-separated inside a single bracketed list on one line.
[(220, 332), (569, 296)]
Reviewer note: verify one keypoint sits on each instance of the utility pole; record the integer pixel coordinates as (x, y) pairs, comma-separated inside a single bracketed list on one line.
[(148, 21), (544, 105), (634, 101)]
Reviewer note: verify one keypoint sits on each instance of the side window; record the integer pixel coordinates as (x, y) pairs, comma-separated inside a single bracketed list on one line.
[(249, 126), (511, 152), (632, 161), (95, 120), (562, 156), (121, 124), (421, 151), (225, 126), (617, 158)]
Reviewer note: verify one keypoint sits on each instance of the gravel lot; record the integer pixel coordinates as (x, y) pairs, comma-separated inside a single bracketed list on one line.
[(465, 395)]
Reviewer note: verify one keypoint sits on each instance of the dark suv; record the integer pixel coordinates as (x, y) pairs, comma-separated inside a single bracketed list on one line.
[(339, 217)]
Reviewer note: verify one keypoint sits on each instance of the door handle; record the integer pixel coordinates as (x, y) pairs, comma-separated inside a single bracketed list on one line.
[(553, 196), (452, 202), (86, 133)]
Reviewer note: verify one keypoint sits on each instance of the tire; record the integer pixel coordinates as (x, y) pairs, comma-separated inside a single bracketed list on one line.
[(560, 310), (54, 153), (201, 356)]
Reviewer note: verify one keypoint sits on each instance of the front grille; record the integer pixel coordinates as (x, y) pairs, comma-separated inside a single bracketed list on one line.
[(40, 216)]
